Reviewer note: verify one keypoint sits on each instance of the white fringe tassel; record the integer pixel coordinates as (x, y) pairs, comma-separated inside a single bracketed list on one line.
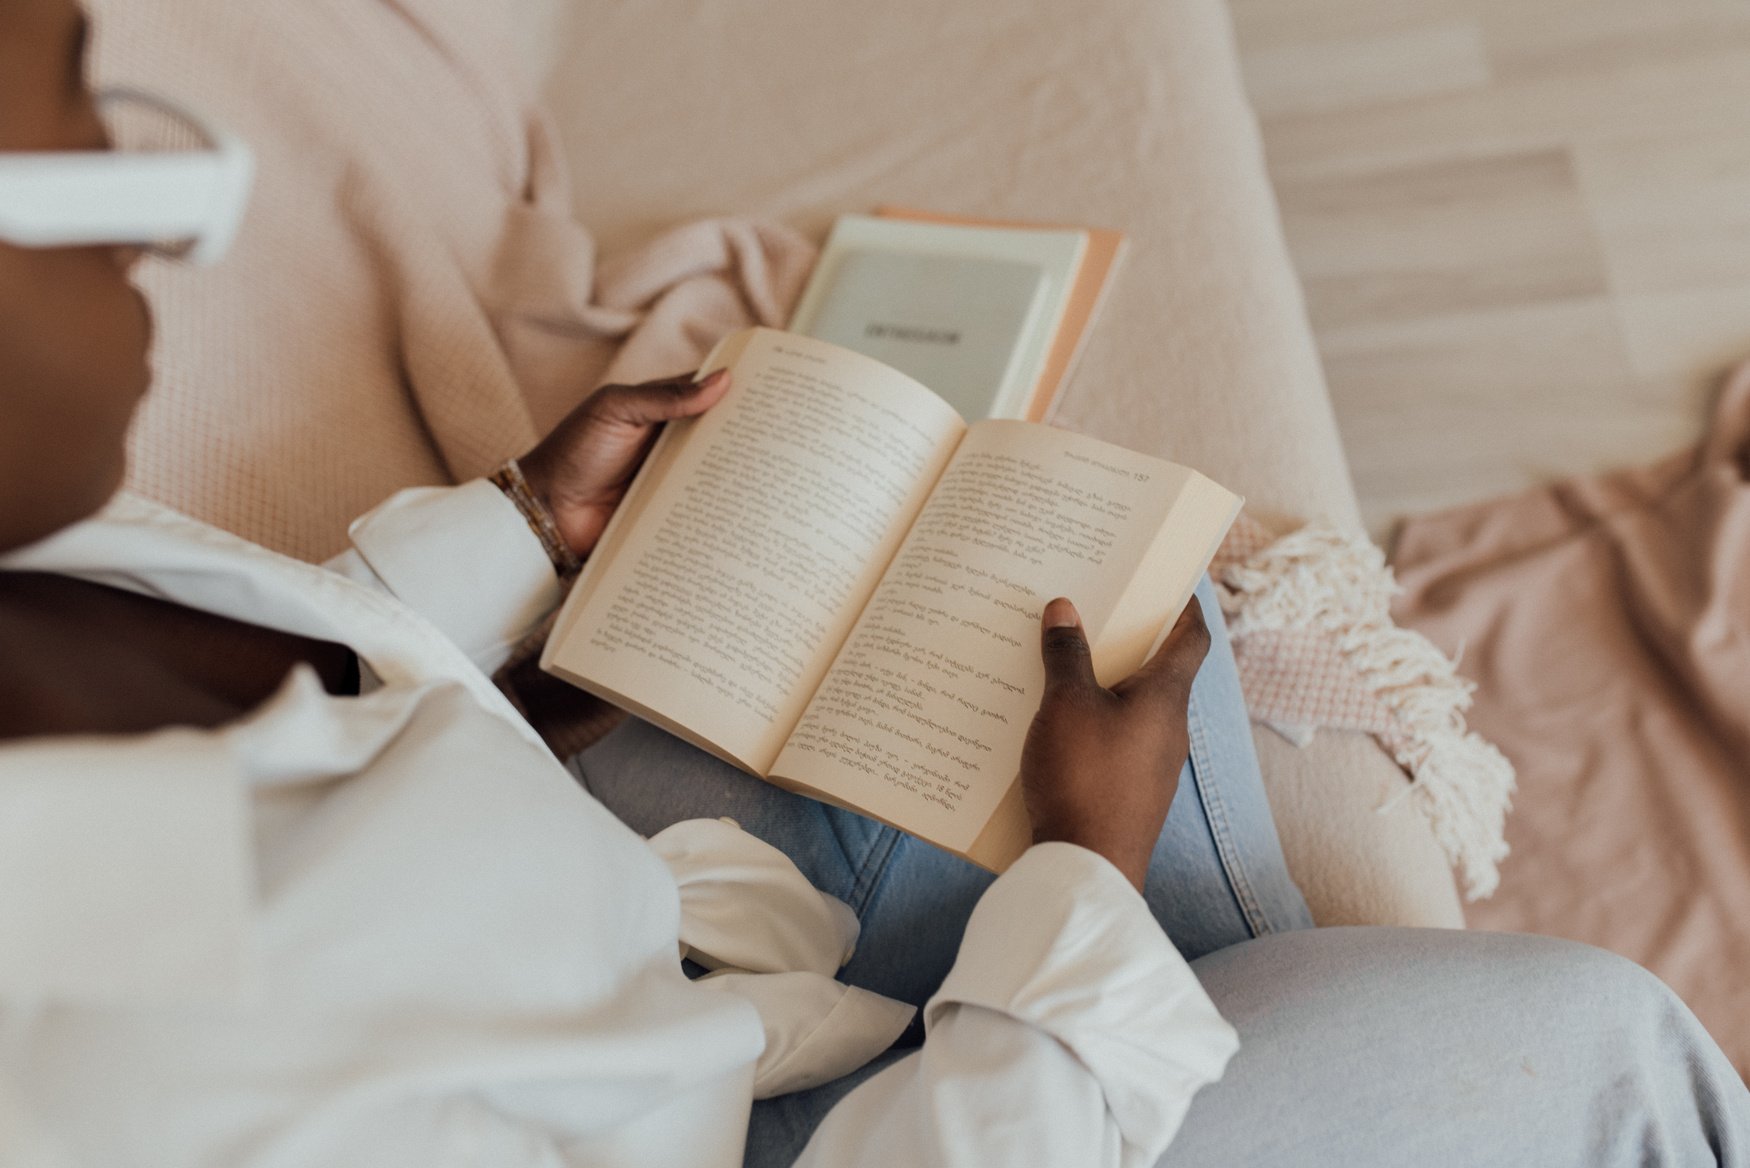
[(1337, 582)]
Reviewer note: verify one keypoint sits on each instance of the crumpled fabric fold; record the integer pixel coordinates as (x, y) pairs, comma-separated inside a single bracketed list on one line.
[(751, 916)]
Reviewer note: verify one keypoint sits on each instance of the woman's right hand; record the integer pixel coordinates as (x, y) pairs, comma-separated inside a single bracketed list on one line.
[(1101, 765)]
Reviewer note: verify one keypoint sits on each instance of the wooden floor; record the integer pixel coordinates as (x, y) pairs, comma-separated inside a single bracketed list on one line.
[(1523, 226)]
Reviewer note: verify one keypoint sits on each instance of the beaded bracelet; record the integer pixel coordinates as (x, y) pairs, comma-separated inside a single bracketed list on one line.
[(509, 479)]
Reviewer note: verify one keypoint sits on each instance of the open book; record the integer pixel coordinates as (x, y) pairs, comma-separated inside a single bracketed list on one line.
[(833, 582)]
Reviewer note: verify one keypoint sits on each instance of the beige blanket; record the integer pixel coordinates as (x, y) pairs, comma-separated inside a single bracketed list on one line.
[(410, 300), (1606, 621)]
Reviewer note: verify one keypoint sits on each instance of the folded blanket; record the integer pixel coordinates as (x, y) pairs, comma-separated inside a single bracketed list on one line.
[(1310, 618), (1606, 623)]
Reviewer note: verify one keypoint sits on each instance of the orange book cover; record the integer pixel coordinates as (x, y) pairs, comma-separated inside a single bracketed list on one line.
[(1099, 263)]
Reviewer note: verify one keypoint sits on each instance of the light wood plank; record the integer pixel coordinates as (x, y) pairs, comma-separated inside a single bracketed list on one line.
[(1531, 269), (1706, 89), (1442, 410), (1673, 211), (1263, 23), (1336, 73), (1555, 37), (1680, 340), (1440, 237)]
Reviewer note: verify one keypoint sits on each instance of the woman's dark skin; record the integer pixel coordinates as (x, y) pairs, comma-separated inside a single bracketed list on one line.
[(1101, 765)]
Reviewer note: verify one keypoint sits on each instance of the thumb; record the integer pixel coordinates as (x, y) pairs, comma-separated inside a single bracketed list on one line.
[(1174, 665), (660, 401), (1068, 665)]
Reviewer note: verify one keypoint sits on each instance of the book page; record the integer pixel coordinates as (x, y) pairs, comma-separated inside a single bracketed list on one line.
[(922, 719), (721, 603)]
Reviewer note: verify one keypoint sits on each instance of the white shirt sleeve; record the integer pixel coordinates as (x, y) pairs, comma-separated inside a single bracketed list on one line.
[(462, 557), (1069, 1031)]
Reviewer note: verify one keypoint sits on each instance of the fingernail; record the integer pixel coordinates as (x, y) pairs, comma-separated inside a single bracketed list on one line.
[(719, 375), (1061, 614)]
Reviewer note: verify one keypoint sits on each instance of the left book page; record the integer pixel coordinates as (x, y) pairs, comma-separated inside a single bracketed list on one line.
[(750, 542)]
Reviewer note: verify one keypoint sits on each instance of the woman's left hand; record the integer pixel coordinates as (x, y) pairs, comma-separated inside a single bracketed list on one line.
[(582, 469)]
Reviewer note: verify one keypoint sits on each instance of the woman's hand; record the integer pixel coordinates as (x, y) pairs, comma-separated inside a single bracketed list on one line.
[(1101, 765), (582, 469)]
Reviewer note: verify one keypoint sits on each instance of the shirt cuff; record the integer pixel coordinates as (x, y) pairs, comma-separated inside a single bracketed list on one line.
[(465, 559), (1064, 943), (748, 912)]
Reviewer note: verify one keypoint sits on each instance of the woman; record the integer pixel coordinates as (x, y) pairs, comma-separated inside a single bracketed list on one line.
[(284, 880)]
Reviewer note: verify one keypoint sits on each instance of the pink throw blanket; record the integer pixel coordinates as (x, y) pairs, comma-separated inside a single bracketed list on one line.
[(410, 300), (1606, 621)]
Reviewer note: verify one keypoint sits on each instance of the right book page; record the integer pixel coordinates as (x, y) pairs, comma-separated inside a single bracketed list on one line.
[(922, 717)]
